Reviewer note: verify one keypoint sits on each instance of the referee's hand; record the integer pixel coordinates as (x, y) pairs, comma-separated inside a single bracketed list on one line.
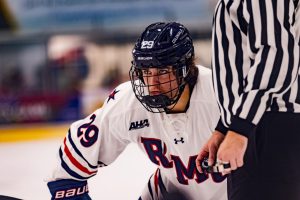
[(232, 150), (209, 150)]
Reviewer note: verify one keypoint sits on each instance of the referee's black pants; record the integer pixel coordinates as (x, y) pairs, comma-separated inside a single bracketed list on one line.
[(271, 168)]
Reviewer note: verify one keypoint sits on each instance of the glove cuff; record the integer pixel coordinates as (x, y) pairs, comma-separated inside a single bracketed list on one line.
[(69, 189)]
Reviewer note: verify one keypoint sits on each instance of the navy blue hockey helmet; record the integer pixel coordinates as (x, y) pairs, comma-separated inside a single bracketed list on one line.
[(161, 45)]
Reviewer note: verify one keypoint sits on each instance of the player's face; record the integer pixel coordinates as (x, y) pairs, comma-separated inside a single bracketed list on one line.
[(161, 81)]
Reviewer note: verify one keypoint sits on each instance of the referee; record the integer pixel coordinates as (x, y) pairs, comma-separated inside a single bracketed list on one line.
[(255, 63)]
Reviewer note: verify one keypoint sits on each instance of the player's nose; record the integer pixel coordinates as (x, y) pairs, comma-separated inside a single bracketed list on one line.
[(154, 83)]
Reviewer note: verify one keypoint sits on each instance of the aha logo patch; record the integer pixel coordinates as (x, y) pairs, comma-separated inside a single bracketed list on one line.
[(139, 124)]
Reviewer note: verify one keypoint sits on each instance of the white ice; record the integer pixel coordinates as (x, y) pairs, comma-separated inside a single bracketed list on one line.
[(25, 165)]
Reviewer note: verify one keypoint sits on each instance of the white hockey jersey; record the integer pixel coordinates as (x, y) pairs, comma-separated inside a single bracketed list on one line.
[(171, 141)]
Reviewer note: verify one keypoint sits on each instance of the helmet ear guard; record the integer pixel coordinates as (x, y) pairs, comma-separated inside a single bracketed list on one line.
[(161, 45)]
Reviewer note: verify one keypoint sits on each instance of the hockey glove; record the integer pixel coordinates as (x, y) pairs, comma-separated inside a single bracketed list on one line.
[(69, 189)]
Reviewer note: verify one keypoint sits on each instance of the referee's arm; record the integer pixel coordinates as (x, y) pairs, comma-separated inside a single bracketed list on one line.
[(271, 47)]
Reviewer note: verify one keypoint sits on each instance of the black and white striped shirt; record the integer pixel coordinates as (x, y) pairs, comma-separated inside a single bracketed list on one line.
[(255, 60)]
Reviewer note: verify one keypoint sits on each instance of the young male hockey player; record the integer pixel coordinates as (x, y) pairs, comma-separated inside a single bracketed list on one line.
[(168, 109)]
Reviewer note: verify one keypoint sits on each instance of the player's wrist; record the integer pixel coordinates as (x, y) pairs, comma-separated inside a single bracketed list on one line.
[(69, 189), (217, 137), (237, 136), (221, 127)]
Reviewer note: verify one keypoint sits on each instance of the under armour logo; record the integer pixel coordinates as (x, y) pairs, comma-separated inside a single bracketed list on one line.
[(176, 141)]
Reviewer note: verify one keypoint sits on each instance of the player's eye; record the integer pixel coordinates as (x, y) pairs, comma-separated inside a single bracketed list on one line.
[(162, 71), (146, 72)]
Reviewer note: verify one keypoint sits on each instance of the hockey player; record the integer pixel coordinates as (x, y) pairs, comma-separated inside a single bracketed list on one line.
[(168, 109)]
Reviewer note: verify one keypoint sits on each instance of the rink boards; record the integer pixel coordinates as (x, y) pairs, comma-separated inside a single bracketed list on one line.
[(21, 133)]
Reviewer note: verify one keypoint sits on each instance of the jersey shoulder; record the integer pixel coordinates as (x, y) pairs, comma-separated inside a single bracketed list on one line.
[(203, 90), (121, 100), (205, 76)]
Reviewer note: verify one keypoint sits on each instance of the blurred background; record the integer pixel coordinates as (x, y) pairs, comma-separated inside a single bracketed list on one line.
[(59, 60)]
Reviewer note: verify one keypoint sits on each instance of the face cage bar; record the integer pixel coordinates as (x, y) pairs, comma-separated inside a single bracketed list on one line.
[(162, 101)]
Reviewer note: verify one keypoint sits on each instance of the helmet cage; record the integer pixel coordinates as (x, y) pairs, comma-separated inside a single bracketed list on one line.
[(164, 101)]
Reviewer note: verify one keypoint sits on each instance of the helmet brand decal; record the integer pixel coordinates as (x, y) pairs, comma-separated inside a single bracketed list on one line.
[(145, 58), (177, 36)]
